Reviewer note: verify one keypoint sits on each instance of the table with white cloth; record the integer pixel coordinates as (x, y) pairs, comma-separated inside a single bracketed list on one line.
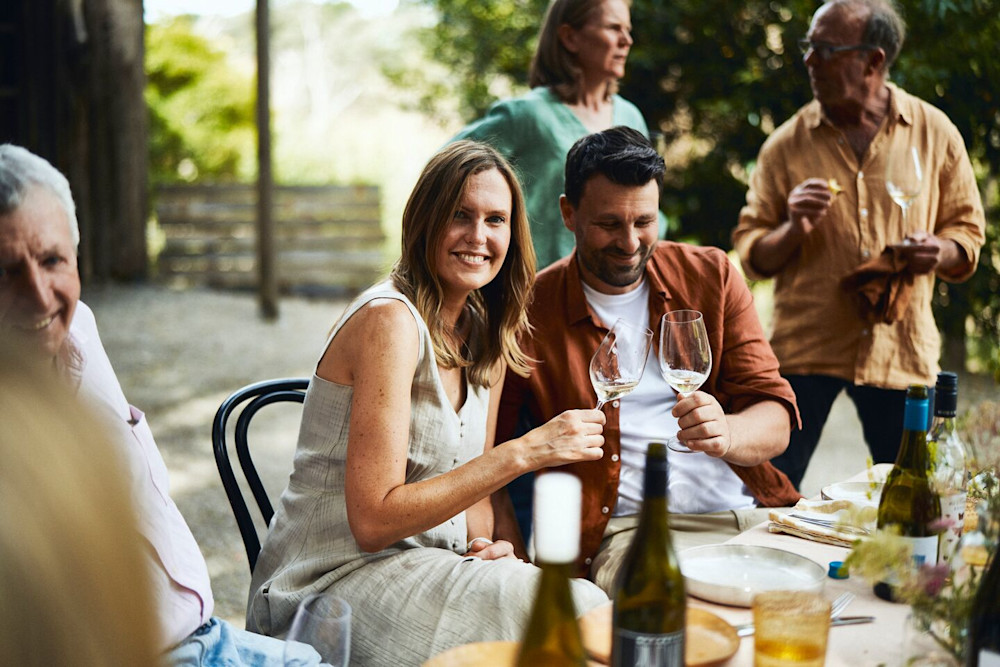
[(876, 643)]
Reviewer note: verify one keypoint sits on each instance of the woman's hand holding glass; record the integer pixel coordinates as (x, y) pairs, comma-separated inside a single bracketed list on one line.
[(617, 366), (570, 437)]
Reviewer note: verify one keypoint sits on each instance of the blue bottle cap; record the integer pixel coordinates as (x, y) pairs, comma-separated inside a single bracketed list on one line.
[(838, 570)]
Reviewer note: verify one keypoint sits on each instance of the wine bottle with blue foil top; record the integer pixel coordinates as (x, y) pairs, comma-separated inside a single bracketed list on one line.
[(553, 635), (649, 600), (909, 503)]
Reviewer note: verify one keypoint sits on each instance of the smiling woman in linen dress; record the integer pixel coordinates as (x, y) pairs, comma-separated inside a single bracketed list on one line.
[(394, 467)]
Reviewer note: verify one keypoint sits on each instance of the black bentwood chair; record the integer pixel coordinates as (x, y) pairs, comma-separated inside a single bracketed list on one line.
[(247, 401)]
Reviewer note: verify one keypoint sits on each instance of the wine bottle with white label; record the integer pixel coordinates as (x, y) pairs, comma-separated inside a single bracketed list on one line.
[(948, 459), (553, 636), (909, 503), (649, 601)]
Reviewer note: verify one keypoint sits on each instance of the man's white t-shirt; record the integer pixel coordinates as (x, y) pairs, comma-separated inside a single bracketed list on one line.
[(698, 483)]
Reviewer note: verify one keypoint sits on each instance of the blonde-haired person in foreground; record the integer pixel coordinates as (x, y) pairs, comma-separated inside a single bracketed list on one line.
[(74, 582), (40, 310), (389, 502)]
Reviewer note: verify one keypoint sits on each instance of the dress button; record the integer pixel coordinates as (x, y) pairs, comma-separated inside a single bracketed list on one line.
[(861, 175), (614, 457), (864, 213), (865, 254), (605, 509), (615, 404), (588, 561)]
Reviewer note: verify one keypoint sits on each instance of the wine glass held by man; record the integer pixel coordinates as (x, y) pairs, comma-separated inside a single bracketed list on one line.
[(388, 506), (583, 46), (903, 176), (685, 357)]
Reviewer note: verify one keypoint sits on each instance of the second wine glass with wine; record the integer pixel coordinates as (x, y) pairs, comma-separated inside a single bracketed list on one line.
[(618, 363), (685, 356)]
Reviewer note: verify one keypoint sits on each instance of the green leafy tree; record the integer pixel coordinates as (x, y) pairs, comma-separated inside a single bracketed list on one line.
[(485, 47), (716, 77), (201, 107)]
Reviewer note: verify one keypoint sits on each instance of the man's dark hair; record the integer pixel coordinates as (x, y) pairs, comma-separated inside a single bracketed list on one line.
[(622, 155)]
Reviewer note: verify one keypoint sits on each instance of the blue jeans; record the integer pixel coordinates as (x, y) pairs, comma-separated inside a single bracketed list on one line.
[(219, 644)]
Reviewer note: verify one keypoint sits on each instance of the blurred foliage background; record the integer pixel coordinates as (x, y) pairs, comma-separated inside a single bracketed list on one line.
[(716, 77), (370, 101)]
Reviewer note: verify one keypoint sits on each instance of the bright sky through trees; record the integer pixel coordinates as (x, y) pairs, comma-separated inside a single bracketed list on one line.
[(156, 9)]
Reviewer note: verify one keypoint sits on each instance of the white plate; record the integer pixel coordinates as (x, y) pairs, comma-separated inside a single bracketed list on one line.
[(733, 573), (862, 493)]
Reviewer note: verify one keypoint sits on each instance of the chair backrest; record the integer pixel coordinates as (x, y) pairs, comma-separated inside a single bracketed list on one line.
[(247, 401)]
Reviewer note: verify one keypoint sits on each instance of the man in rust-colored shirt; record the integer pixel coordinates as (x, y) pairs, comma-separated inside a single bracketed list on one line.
[(739, 419), (818, 207)]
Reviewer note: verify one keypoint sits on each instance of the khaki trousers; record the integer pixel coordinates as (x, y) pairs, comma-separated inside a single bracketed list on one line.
[(686, 531)]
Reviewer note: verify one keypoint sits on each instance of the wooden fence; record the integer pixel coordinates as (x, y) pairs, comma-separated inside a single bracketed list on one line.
[(329, 238)]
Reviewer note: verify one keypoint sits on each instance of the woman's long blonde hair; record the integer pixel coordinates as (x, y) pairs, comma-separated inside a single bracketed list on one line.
[(74, 582), (495, 313)]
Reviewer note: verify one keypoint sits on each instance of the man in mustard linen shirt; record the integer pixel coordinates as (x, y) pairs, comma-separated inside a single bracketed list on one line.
[(797, 227)]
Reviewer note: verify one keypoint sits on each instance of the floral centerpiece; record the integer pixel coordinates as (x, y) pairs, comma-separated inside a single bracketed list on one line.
[(941, 595)]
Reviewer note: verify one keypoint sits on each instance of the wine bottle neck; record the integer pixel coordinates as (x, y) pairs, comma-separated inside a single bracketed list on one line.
[(913, 451)]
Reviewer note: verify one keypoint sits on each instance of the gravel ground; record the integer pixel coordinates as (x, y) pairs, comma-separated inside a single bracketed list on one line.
[(178, 354)]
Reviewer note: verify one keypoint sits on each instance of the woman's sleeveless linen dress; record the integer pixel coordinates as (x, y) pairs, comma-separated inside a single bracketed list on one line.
[(419, 596)]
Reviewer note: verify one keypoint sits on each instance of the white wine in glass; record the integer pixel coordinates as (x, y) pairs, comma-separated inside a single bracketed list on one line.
[(903, 179), (617, 366), (685, 356)]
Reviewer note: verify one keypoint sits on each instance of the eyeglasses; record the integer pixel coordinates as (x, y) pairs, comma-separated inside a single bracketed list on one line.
[(826, 51)]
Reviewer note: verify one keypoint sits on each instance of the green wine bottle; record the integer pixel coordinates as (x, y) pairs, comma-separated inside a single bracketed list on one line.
[(909, 503), (649, 599), (948, 461), (983, 649), (553, 635)]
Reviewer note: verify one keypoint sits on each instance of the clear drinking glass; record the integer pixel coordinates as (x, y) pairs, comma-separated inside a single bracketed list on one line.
[(685, 356), (791, 629), (618, 363), (324, 623), (903, 179)]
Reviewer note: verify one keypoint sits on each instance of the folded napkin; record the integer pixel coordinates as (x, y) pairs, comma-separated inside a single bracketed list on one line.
[(838, 512), (881, 287)]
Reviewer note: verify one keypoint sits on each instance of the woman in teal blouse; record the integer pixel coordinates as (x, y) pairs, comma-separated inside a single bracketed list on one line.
[(581, 54)]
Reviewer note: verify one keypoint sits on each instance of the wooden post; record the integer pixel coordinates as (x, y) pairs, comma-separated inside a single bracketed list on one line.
[(266, 269)]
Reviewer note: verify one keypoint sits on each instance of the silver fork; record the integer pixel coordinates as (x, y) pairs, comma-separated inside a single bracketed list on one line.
[(840, 604), (842, 527), (836, 609)]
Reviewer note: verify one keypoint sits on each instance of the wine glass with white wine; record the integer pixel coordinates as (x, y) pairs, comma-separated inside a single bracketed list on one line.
[(903, 179), (685, 356), (618, 363)]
